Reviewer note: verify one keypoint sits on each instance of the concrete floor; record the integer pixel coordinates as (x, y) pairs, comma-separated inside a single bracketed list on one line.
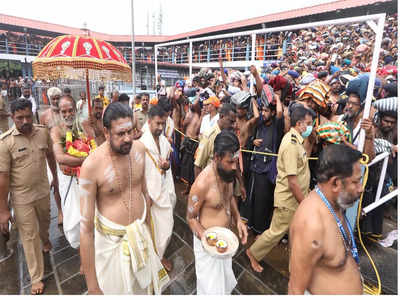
[(62, 264)]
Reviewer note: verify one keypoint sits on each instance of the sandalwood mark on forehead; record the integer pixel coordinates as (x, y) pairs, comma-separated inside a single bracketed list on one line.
[(125, 125)]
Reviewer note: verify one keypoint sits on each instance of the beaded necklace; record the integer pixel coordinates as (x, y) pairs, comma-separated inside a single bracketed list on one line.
[(224, 202), (128, 206)]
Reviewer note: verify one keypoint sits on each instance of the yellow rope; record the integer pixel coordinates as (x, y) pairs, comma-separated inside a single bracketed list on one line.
[(243, 150), (372, 290)]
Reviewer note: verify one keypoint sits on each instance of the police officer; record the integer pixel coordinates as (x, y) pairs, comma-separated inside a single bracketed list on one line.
[(292, 184), (204, 154), (23, 172)]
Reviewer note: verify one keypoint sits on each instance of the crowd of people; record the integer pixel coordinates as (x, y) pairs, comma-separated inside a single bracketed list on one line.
[(20, 43), (244, 144)]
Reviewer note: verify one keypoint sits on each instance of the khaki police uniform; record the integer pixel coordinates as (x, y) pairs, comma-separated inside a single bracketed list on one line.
[(205, 151), (141, 118), (3, 115), (292, 160), (205, 154), (24, 159)]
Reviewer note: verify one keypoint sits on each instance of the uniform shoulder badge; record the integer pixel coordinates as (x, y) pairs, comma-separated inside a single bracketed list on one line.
[(293, 139), (5, 134)]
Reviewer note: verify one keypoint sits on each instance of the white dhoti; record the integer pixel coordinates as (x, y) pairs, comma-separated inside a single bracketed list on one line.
[(70, 205), (126, 262), (214, 275), (161, 189)]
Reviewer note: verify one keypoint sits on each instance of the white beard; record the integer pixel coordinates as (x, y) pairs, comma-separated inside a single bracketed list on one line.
[(341, 201)]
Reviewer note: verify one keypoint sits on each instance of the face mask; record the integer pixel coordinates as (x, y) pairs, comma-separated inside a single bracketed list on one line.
[(308, 131)]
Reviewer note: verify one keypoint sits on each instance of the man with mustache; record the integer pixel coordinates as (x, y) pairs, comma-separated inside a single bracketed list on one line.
[(159, 177), (292, 184), (69, 190), (24, 150), (205, 151), (324, 257), (96, 120), (51, 116), (115, 206), (211, 203)]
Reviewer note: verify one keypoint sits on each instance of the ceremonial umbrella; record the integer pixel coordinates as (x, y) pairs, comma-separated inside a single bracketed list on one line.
[(80, 57)]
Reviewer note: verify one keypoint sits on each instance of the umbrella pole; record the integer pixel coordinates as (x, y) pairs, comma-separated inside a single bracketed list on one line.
[(88, 93)]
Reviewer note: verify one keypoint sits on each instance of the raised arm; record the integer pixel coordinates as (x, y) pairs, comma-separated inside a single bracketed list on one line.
[(88, 194), (259, 84)]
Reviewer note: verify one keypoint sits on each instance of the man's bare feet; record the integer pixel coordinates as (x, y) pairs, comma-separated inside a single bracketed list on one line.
[(167, 264), (47, 247), (60, 218), (254, 263), (37, 288)]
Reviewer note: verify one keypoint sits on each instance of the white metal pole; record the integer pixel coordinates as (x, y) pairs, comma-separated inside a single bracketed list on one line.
[(155, 64), (133, 52), (372, 76), (253, 47), (382, 178), (190, 59), (380, 201)]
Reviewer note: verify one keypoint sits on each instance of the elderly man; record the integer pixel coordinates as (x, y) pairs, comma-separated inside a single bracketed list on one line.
[(323, 253), (159, 177), (114, 96), (24, 150), (51, 116), (117, 251), (69, 190), (211, 203)]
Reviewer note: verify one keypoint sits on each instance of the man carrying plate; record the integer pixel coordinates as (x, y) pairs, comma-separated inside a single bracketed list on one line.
[(211, 203)]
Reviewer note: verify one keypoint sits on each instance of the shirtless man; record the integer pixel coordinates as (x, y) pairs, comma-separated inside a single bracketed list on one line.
[(50, 118), (67, 109), (96, 121), (113, 191), (211, 203), (191, 125), (324, 260)]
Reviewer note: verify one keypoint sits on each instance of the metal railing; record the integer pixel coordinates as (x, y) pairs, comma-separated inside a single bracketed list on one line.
[(378, 200), (8, 47)]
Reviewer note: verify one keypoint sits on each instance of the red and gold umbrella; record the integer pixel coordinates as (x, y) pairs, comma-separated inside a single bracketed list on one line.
[(80, 57)]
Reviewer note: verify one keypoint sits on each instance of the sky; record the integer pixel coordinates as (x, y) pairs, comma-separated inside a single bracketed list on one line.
[(114, 17)]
